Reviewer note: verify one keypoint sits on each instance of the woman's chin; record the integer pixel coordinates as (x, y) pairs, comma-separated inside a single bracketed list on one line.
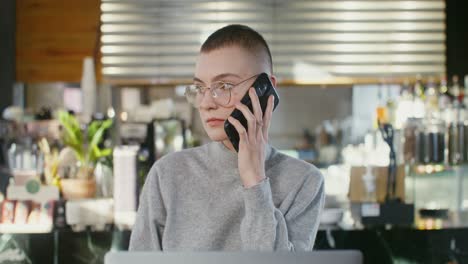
[(217, 134)]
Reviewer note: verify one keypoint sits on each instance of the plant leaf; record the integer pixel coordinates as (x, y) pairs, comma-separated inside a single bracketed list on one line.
[(96, 139), (92, 128), (72, 135)]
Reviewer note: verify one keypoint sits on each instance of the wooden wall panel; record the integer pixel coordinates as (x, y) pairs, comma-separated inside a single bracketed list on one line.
[(53, 37)]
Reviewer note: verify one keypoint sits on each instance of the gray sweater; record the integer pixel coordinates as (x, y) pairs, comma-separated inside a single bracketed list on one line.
[(194, 200)]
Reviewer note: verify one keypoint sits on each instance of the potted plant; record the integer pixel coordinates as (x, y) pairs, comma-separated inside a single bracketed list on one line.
[(85, 145)]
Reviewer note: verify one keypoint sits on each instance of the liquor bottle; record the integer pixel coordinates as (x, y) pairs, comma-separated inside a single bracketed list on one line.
[(453, 119), (431, 102), (381, 110), (391, 108), (419, 106), (404, 108), (455, 91), (465, 100), (419, 88), (444, 96)]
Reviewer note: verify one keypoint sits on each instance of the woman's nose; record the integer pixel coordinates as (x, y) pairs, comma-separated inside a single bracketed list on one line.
[(207, 100)]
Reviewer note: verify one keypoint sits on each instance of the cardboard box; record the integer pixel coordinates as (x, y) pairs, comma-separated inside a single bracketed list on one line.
[(357, 191)]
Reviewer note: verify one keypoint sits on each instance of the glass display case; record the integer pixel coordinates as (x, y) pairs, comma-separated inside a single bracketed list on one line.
[(439, 192)]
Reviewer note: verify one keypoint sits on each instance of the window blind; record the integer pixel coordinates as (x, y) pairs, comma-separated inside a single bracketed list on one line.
[(158, 40)]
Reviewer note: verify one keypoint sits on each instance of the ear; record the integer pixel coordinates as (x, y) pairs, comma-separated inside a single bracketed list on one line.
[(273, 80)]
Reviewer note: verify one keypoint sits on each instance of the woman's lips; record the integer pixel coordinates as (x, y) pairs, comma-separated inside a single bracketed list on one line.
[(215, 122)]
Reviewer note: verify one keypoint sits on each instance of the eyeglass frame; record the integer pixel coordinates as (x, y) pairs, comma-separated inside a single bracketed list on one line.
[(212, 92)]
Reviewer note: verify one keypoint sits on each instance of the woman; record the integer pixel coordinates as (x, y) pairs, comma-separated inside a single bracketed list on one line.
[(213, 198)]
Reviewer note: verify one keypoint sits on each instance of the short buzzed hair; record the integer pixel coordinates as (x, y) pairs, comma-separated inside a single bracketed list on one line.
[(242, 36)]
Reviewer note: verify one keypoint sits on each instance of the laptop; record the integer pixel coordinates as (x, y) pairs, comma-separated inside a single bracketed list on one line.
[(318, 256)]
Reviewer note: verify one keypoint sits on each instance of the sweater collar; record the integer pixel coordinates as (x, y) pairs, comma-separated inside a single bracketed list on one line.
[(224, 155)]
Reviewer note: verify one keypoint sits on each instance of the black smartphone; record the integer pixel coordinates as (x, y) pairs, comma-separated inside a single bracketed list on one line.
[(264, 89)]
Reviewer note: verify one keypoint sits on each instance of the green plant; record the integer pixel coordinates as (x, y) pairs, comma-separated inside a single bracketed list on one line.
[(85, 144), (51, 161)]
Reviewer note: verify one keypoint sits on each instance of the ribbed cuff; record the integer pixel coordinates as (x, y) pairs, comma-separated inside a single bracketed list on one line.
[(258, 197)]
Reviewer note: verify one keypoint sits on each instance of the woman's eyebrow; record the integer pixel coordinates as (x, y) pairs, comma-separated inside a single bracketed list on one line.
[(195, 79), (225, 75), (218, 77)]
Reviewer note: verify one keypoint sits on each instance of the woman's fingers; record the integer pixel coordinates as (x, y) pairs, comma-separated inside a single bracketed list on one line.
[(267, 117), (251, 120), (240, 129), (256, 105)]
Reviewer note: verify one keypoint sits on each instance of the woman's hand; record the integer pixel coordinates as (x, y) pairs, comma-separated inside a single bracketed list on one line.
[(252, 143)]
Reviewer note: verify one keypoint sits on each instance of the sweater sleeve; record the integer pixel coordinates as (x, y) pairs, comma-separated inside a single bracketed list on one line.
[(265, 228), (150, 220)]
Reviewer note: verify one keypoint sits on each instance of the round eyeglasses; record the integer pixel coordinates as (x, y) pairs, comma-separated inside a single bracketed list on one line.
[(220, 91)]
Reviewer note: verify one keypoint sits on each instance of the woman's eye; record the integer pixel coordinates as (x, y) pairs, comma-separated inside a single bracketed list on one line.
[(198, 88), (226, 86)]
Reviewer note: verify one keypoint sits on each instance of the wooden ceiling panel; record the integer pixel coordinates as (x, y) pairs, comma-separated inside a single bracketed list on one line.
[(53, 37)]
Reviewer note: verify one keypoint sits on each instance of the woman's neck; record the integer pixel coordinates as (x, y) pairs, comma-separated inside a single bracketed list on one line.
[(227, 143)]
